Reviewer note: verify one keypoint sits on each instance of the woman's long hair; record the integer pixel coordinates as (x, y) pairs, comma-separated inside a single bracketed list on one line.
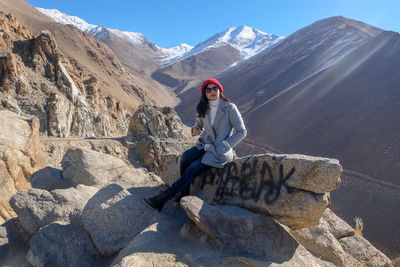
[(203, 103)]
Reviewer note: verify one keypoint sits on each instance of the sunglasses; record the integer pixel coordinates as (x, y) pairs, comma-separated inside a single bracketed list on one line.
[(210, 89)]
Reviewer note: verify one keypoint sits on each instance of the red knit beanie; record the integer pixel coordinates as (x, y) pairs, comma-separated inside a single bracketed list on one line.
[(213, 81)]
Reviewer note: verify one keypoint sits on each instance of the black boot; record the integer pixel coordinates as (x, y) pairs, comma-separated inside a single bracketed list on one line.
[(157, 201), (182, 194)]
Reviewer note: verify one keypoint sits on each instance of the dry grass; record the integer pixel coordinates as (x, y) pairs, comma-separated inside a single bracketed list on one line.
[(359, 226)]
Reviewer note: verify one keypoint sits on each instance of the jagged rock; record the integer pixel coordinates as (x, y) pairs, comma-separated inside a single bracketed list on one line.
[(36, 207), (155, 121), (49, 179), (84, 166), (158, 132), (52, 87), (323, 239), (294, 189), (60, 244), (20, 156), (13, 244), (114, 216), (362, 250)]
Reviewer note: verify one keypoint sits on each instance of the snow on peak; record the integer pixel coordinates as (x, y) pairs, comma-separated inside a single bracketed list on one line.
[(67, 19), (249, 41)]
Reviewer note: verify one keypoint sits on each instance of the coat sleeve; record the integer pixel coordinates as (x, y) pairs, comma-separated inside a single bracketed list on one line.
[(237, 124), (197, 123)]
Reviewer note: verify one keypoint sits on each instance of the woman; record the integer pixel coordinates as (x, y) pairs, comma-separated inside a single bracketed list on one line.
[(220, 127)]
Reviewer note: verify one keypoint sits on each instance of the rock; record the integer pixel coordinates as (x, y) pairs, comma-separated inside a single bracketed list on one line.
[(13, 244), (158, 131), (337, 226), (240, 231), (60, 244), (84, 166), (163, 241), (362, 250), (114, 216), (323, 239), (37, 208), (150, 259), (159, 122), (20, 156), (49, 179), (294, 189)]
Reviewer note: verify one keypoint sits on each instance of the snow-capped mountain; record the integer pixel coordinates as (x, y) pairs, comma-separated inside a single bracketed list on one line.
[(67, 19), (100, 32), (249, 41)]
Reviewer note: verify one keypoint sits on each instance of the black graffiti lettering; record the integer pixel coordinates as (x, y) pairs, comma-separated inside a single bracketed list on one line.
[(230, 181)]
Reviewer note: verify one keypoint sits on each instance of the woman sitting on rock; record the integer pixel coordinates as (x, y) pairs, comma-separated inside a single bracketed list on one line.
[(220, 127)]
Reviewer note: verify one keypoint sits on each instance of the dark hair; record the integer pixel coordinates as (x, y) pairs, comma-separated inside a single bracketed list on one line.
[(203, 103)]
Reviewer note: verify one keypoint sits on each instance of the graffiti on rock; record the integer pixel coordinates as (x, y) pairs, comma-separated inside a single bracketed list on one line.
[(254, 179)]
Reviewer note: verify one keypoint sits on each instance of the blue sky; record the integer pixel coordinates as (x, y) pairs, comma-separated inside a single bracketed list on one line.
[(171, 22)]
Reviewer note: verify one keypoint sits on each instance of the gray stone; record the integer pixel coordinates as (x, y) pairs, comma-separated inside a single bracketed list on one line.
[(294, 189), (321, 239), (240, 231), (49, 179), (60, 244), (362, 250), (114, 216), (36, 207), (84, 166)]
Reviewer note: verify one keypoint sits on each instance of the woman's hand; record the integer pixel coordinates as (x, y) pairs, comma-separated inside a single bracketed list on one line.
[(196, 131)]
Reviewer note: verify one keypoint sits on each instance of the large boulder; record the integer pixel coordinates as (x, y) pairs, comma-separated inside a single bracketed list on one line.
[(293, 188), (37, 208), (114, 216), (85, 166), (60, 244), (239, 231), (20, 156)]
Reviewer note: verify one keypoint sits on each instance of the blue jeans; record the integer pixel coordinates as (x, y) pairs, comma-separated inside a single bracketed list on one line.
[(190, 167)]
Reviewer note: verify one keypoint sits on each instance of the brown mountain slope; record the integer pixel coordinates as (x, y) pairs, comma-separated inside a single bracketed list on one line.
[(92, 56), (188, 72)]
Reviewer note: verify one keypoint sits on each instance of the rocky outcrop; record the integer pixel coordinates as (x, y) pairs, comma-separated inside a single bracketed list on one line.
[(20, 156), (294, 189), (110, 225), (44, 83), (158, 138)]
